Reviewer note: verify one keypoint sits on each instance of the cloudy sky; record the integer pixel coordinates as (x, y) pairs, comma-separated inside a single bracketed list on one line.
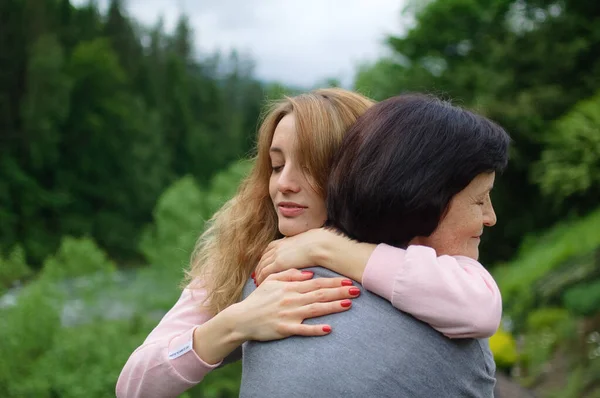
[(299, 42)]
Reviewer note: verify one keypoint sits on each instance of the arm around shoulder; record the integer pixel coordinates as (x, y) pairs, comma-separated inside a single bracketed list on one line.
[(454, 294)]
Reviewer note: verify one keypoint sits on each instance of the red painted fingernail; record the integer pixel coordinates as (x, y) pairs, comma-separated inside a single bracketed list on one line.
[(347, 282), (326, 329), (354, 291), (307, 272), (253, 275), (346, 303)]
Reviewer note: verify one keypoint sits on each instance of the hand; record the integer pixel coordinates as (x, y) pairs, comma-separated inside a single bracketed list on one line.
[(287, 253), (277, 308)]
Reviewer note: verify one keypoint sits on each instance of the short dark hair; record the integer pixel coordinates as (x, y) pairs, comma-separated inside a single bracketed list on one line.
[(401, 163)]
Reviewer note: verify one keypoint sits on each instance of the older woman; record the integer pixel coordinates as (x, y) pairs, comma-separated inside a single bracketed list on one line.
[(413, 173)]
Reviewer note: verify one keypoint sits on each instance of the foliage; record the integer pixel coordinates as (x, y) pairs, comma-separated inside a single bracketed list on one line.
[(525, 64), (80, 310), (570, 165), (504, 348), (99, 115), (13, 268), (76, 257), (550, 294), (563, 246), (118, 142), (178, 220)]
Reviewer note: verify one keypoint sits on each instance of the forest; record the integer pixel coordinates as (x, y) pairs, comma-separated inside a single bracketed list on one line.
[(118, 141)]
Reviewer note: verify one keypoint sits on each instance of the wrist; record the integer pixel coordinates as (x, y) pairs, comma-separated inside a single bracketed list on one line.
[(343, 255), (236, 323), (323, 251), (217, 338)]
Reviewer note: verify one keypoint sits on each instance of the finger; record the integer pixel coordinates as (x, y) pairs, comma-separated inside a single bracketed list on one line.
[(268, 269), (322, 283), (329, 294), (271, 246), (300, 329), (262, 263), (290, 275), (316, 310)]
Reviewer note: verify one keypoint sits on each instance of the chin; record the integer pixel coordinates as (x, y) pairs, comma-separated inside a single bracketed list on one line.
[(474, 255), (288, 229)]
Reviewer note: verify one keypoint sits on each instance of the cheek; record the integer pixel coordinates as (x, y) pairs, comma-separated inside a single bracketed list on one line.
[(319, 208), (272, 188), (474, 221)]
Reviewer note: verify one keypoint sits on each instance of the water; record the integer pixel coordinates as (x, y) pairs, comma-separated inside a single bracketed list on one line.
[(118, 295)]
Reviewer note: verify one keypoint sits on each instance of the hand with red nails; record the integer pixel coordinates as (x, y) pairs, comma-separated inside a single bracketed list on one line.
[(287, 253), (277, 308)]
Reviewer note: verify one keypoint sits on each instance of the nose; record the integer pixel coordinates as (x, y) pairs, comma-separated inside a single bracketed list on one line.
[(288, 181), (489, 216)]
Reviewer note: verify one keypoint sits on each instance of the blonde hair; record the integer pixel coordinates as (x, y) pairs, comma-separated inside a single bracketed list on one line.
[(230, 248)]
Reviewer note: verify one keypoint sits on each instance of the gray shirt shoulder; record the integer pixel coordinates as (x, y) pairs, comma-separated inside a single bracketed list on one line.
[(374, 350)]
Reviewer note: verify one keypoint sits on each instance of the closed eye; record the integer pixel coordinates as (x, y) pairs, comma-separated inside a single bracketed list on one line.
[(276, 169)]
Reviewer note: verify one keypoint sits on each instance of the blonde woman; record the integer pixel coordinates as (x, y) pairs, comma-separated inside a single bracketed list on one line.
[(296, 145)]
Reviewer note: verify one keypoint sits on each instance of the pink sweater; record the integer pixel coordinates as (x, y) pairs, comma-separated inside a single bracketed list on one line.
[(455, 295)]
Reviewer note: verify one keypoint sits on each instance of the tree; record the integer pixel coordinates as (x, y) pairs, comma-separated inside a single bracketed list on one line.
[(521, 63)]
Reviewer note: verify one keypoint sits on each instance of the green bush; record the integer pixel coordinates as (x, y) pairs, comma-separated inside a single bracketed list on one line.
[(224, 185), (540, 257), (74, 326), (76, 257), (179, 218), (13, 267), (571, 163), (27, 332), (180, 214), (545, 319), (583, 300)]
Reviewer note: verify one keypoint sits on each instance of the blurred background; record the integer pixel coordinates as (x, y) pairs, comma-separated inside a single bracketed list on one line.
[(124, 125)]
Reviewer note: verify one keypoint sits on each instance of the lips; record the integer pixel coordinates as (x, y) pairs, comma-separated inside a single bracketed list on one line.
[(290, 209)]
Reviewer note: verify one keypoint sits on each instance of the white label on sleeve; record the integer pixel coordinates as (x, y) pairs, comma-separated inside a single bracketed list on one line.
[(187, 347)]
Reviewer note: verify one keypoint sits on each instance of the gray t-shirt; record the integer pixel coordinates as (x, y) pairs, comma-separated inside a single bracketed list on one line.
[(374, 350)]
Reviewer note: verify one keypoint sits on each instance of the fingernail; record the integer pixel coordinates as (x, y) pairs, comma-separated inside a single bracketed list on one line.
[(253, 275), (326, 329), (354, 291), (347, 282), (346, 303), (307, 272)]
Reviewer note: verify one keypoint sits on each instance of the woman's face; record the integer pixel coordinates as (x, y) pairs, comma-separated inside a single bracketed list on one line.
[(299, 207), (459, 232)]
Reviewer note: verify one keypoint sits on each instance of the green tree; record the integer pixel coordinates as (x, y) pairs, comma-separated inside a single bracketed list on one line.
[(522, 63)]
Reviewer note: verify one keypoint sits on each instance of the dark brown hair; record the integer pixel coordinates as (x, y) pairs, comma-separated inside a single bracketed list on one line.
[(402, 162)]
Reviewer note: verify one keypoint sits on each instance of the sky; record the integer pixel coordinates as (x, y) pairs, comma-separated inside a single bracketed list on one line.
[(296, 42)]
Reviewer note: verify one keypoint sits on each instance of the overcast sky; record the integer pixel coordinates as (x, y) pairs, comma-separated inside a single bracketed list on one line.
[(300, 42)]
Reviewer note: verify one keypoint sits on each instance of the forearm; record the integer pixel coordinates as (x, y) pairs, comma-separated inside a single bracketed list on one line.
[(165, 365), (218, 337), (455, 295), (342, 255)]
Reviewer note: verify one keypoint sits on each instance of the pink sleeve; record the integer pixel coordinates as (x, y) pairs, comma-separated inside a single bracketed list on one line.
[(166, 365), (454, 294)]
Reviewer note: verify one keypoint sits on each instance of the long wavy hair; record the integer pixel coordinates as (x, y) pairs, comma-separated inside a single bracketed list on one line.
[(231, 246)]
